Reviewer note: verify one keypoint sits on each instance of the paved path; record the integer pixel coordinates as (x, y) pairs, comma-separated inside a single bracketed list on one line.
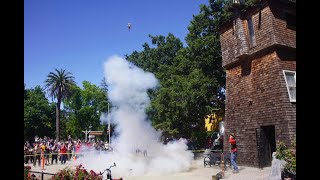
[(197, 172)]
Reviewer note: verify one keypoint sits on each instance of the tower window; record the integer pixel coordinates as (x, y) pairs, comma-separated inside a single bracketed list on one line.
[(290, 78), (252, 38), (291, 21), (246, 68)]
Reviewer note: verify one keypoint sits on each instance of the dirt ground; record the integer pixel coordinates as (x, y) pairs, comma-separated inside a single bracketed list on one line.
[(197, 172)]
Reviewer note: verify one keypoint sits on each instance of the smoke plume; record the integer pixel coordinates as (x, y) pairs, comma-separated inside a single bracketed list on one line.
[(137, 149)]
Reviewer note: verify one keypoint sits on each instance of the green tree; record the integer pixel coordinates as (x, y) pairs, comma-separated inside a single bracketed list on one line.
[(288, 154), (95, 97), (38, 114), (156, 59), (104, 85), (204, 52), (159, 60), (84, 108), (59, 86)]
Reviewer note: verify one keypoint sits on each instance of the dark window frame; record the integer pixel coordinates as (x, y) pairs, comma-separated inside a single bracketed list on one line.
[(251, 33), (245, 67)]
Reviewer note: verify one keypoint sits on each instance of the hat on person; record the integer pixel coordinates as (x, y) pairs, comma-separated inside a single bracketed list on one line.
[(232, 135)]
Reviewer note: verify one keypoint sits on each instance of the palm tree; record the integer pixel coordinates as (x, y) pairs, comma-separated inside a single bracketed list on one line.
[(59, 86)]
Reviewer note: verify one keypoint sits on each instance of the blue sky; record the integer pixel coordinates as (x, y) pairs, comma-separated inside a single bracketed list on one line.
[(79, 35)]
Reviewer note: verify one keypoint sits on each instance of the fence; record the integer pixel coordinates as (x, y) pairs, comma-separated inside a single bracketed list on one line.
[(43, 159), (42, 174)]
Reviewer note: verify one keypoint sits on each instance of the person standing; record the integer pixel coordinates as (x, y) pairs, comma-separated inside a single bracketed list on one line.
[(234, 153), (69, 150), (63, 153), (55, 152), (37, 150)]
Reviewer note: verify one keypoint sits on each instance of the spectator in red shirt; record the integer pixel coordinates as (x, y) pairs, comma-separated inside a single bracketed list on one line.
[(234, 153), (63, 153)]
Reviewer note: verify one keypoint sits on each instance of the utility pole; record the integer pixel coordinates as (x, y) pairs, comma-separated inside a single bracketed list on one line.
[(109, 126)]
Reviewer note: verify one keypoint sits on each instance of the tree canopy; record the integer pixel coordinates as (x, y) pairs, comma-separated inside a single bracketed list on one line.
[(84, 108), (39, 116)]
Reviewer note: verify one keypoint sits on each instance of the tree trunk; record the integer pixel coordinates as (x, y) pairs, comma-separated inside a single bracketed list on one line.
[(58, 121)]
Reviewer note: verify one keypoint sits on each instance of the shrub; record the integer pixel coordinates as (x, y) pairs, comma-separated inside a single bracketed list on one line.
[(288, 155), (26, 172), (80, 173), (27, 176)]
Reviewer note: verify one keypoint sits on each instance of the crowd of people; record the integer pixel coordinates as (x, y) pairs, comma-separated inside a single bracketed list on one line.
[(64, 150)]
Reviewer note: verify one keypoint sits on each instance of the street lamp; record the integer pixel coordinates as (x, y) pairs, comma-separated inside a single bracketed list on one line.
[(86, 132), (90, 126)]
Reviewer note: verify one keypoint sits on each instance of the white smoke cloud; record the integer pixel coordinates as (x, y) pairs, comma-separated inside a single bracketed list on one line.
[(128, 85)]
